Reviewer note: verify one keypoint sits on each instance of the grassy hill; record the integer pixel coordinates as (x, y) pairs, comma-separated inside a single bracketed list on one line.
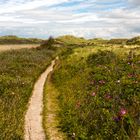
[(18, 40), (71, 40), (134, 41), (131, 41)]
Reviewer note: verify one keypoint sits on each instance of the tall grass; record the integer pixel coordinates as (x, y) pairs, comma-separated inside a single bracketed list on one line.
[(50, 113), (18, 72), (99, 93)]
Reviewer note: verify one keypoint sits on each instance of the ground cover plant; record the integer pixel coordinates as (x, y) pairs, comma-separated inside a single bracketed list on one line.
[(99, 93), (50, 111), (18, 71)]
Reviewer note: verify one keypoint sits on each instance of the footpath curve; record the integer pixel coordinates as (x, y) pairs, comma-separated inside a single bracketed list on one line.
[(33, 118)]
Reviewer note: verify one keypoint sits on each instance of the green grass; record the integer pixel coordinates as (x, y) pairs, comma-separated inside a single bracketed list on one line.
[(70, 40), (51, 110), (18, 72), (11, 39), (99, 93)]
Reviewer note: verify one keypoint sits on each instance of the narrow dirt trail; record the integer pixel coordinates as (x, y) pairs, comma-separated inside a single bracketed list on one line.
[(33, 119)]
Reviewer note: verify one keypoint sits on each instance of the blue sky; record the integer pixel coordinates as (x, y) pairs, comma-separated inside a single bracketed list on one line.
[(83, 18)]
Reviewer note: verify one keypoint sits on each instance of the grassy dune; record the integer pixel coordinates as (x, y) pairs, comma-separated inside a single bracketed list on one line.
[(99, 93), (12, 39), (18, 72)]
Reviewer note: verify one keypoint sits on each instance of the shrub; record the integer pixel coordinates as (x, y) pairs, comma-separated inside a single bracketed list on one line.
[(49, 44)]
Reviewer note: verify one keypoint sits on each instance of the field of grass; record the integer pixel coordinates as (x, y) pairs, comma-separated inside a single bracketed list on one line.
[(99, 94), (18, 71)]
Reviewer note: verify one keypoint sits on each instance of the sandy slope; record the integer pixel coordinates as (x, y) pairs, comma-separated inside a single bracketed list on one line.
[(33, 118), (15, 47)]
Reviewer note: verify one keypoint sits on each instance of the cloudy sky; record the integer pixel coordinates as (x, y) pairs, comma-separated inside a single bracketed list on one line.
[(84, 18)]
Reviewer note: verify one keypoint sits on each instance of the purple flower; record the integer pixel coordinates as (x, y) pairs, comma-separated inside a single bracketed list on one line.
[(117, 118)]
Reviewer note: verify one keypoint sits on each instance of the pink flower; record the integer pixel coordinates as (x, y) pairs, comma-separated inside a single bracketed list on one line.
[(123, 112), (108, 96), (93, 94), (131, 75)]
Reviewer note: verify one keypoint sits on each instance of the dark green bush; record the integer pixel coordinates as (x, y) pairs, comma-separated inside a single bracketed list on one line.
[(49, 44)]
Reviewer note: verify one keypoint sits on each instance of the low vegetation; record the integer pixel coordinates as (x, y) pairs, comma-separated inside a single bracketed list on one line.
[(50, 113), (97, 87), (134, 41), (70, 40), (11, 39), (99, 93), (18, 72)]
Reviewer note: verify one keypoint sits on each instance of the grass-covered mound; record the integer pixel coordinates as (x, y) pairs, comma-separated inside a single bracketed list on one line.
[(134, 41), (11, 39), (18, 72), (100, 94), (71, 40)]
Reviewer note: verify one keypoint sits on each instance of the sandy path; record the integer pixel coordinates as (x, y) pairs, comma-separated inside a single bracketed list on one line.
[(18, 46), (33, 118)]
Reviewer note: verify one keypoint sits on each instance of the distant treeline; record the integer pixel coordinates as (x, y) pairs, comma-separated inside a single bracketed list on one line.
[(11, 39)]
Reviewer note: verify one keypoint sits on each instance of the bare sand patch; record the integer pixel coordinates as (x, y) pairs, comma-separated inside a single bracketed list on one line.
[(17, 46)]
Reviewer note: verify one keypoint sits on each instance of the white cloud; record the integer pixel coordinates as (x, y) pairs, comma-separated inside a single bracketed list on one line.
[(16, 5), (90, 18)]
